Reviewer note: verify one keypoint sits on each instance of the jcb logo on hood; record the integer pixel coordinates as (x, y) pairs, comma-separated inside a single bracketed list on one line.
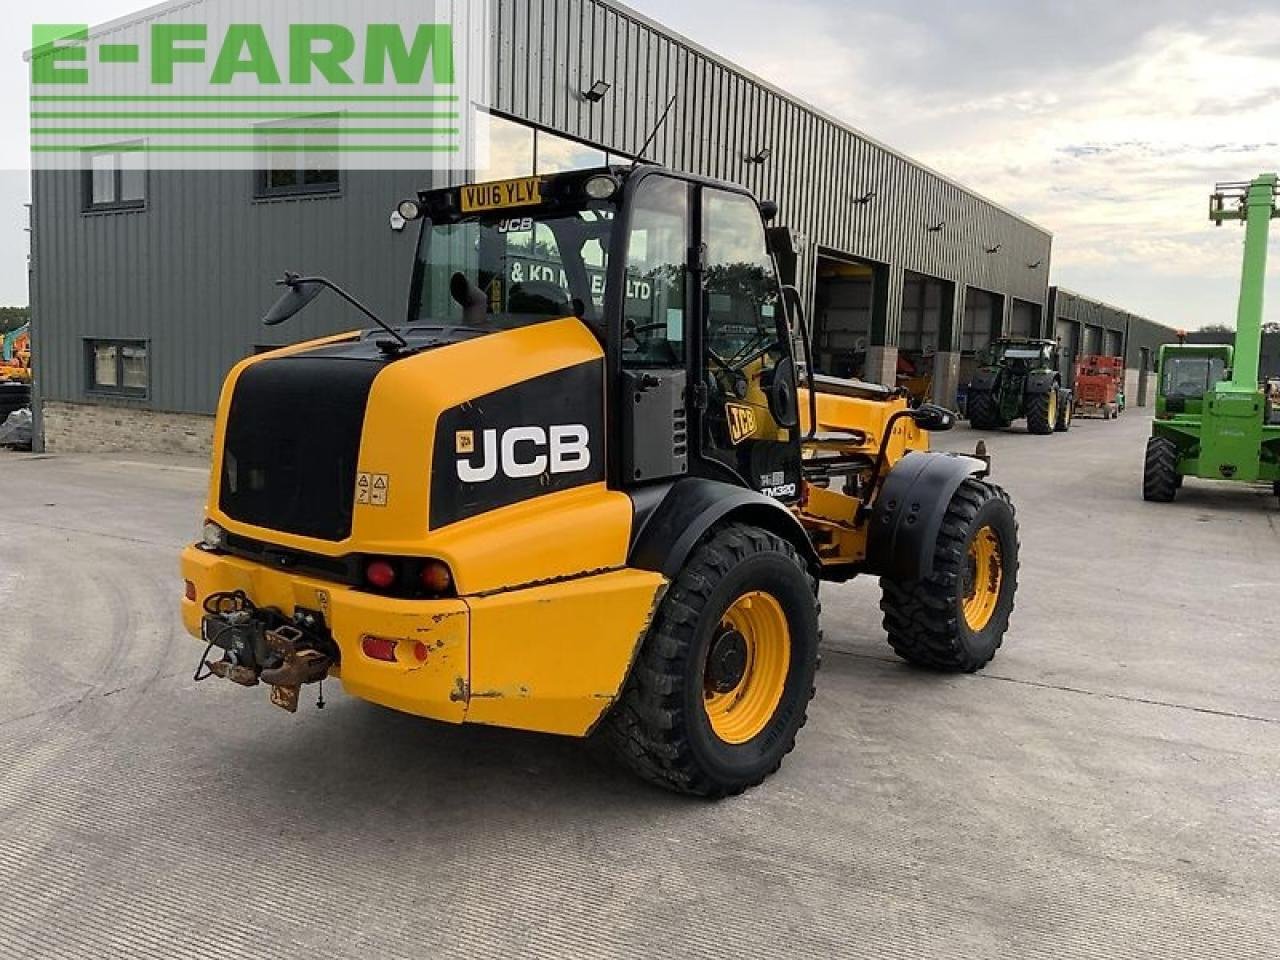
[(522, 452)]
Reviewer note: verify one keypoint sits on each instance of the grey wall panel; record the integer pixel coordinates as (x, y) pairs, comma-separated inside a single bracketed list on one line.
[(1135, 332), (192, 273)]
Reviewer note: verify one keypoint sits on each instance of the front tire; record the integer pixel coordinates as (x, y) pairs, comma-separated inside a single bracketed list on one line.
[(955, 619), (1160, 479), (724, 677), (1042, 412)]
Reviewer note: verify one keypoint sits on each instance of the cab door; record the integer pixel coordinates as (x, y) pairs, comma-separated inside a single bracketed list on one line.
[(747, 418), (655, 296)]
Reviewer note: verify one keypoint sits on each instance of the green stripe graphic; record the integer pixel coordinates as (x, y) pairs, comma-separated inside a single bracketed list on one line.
[(233, 98), (257, 148), (245, 131), (237, 115), (118, 53)]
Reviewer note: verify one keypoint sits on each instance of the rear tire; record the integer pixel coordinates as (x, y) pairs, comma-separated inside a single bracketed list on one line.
[(1066, 412), (950, 621), (1042, 412), (1160, 479), (983, 412), (682, 722)]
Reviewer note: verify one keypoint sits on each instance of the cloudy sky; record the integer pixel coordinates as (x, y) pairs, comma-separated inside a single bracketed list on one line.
[(1106, 122)]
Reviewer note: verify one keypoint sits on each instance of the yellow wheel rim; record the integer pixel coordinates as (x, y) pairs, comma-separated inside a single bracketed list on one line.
[(746, 669), (1053, 408), (982, 578)]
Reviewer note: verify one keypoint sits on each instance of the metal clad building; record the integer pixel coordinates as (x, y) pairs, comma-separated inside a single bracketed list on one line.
[(142, 307), (1085, 326)]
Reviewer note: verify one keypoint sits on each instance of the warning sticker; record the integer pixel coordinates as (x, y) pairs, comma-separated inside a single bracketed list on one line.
[(372, 489)]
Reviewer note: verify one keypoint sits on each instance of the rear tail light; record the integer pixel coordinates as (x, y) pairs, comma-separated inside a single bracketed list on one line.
[(191, 591), (380, 574), (379, 648), (409, 578), (436, 578)]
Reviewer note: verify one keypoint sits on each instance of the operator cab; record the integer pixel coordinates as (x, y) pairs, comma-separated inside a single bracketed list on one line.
[(1021, 353), (672, 273), (1187, 373)]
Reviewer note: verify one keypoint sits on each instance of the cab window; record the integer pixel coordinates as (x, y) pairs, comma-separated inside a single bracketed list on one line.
[(740, 288), (654, 301), (1192, 377)]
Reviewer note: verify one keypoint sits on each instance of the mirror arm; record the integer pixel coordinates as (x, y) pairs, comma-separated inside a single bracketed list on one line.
[(807, 346), (293, 280)]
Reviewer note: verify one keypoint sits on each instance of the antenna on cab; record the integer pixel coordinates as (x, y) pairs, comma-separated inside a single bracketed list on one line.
[(654, 132)]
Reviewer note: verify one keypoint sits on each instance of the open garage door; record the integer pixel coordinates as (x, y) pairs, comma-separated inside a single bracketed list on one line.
[(983, 320), (1068, 346), (849, 304), (1112, 343), (927, 307), (1024, 319), (1092, 340)]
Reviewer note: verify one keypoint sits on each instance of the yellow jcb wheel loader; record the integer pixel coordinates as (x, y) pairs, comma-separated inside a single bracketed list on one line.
[(585, 487)]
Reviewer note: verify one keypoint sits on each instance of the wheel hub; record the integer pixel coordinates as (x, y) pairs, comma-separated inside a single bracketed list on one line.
[(727, 663)]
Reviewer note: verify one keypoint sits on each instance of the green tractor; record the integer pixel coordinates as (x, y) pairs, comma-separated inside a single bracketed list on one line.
[(1019, 378), (1213, 419)]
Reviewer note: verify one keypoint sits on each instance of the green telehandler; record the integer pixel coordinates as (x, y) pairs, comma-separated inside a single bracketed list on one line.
[(1213, 419)]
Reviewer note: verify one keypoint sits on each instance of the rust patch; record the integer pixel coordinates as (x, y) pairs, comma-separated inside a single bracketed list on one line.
[(286, 697), (233, 672), (461, 691)]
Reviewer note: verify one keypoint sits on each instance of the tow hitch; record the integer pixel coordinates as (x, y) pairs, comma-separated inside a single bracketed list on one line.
[(263, 645)]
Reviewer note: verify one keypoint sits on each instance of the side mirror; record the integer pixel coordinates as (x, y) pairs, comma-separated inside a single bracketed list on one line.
[(299, 293), (931, 417)]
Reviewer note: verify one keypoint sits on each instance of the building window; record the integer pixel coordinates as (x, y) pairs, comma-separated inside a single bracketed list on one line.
[(298, 158), (118, 367), (115, 179)]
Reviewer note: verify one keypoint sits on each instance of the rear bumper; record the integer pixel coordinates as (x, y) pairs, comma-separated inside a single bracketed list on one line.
[(430, 675), (551, 657)]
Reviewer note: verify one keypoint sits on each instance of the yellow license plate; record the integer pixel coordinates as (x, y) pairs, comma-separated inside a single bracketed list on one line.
[(524, 192)]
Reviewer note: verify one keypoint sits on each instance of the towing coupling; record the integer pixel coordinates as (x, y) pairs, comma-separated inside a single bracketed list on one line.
[(262, 645)]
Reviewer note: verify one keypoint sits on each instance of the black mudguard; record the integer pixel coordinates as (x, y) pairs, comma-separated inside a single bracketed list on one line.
[(1040, 382), (984, 380), (670, 519), (908, 513)]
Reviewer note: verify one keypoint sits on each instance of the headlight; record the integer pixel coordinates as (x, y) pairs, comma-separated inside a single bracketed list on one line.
[(213, 537), (409, 209), (600, 187)]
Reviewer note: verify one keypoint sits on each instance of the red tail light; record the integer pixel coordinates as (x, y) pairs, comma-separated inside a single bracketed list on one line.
[(436, 577), (380, 574), (379, 648), (191, 591)]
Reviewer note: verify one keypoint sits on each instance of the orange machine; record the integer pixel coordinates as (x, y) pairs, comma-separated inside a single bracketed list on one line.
[(1099, 386), (15, 355)]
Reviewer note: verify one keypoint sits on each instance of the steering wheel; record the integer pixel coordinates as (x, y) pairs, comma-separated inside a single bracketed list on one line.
[(540, 297)]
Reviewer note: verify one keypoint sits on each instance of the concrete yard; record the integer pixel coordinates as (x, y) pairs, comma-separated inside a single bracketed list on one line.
[(1109, 786)]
